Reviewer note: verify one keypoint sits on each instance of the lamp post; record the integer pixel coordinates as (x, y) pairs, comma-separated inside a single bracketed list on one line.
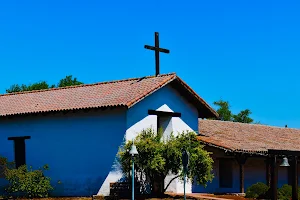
[(133, 151)]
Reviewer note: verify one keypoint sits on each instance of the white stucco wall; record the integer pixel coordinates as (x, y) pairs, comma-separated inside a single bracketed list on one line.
[(78, 147), (165, 99)]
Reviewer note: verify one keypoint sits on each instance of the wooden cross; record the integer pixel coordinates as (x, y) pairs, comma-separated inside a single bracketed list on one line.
[(157, 49)]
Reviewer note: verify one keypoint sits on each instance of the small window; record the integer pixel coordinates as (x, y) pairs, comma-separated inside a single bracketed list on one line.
[(225, 173), (163, 122), (20, 150)]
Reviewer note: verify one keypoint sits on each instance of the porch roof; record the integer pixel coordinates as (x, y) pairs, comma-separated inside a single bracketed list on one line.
[(248, 138)]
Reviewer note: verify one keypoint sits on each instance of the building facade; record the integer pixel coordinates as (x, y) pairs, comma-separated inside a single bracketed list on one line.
[(77, 130)]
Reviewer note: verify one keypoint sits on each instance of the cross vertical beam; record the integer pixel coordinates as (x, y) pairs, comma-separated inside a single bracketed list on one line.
[(157, 50), (156, 53)]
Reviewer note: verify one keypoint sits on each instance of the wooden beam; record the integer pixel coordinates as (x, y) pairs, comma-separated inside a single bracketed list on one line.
[(283, 152), (241, 159), (19, 138), (295, 179), (274, 177), (157, 49), (242, 178), (268, 171), (163, 113)]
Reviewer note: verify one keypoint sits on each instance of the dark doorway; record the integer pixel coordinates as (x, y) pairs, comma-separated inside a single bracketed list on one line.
[(225, 173), (20, 150)]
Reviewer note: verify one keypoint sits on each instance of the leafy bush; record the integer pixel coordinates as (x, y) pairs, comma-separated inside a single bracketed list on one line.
[(159, 156), (285, 192), (257, 190), (28, 182)]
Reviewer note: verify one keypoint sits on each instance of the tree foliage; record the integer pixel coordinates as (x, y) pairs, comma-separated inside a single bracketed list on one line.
[(41, 85), (28, 182), (223, 110), (35, 86), (226, 114), (24, 181), (159, 156), (257, 190), (68, 81), (243, 116)]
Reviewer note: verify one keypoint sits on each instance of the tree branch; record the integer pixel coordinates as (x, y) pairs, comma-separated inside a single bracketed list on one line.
[(170, 182)]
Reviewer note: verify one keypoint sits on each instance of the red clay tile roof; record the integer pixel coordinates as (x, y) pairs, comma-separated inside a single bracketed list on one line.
[(106, 94), (242, 137)]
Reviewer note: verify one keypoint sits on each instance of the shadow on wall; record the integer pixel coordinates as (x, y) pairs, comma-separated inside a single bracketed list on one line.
[(77, 188), (72, 146)]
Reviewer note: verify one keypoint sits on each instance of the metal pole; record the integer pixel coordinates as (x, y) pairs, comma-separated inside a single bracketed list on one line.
[(132, 177), (184, 184)]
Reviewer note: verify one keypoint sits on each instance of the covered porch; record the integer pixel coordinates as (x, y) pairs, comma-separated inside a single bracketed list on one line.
[(245, 154)]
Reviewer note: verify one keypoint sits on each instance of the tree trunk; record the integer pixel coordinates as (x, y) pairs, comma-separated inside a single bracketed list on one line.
[(158, 186)]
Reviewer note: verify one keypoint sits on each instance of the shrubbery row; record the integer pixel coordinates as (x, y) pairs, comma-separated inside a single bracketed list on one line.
[(262, 191), (24, 181)]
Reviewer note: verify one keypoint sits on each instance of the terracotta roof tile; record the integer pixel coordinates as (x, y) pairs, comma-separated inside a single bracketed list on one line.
[(106, 94), (248, 137)]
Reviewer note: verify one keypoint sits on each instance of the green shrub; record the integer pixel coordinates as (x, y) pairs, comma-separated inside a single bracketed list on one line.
[(24, 182), (257, 190), (285, 192)]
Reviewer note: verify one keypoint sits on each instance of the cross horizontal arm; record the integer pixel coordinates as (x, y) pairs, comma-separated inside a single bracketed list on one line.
[(157, 49)]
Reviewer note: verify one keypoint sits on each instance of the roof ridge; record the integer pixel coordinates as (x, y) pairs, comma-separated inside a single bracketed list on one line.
[(247, 124), (86, 85)]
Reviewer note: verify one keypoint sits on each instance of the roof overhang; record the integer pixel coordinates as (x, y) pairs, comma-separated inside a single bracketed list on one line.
[(204, 109)]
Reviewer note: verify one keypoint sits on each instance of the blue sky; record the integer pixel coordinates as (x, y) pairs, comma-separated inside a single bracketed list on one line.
[(246, 52)]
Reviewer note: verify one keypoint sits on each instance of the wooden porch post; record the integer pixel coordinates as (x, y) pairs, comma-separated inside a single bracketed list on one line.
[(274, 174), (295, 178), (242, 178), (242, 158), (268, 172)]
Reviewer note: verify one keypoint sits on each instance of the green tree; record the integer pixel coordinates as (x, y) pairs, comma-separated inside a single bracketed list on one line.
[(68, 81), (15, 88), (226, 114), (35, 86), (243, 116), (159, 156), (223, 110)]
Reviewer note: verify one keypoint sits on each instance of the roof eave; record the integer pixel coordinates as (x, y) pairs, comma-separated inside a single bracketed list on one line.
[(63, 111), (205, 110), (137, 100), (228, 149)]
